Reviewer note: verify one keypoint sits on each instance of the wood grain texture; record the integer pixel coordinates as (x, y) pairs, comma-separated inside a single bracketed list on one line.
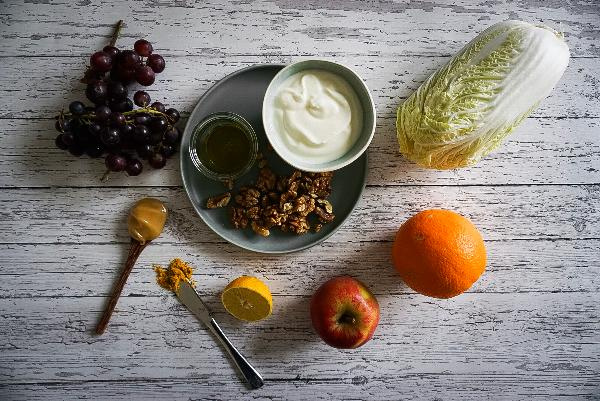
[(541, 151), (285, 27), (391, 79), (399, 386), (540, 266), (528, 329), (92, 215), (512, 333)]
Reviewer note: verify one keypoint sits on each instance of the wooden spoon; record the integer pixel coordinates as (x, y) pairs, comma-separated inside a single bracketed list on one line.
[(146, 221)]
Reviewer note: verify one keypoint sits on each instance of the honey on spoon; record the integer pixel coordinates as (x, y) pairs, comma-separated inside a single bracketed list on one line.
[(146, 221)]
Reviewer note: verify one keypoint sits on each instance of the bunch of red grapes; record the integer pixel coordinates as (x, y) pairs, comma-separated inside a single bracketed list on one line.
[(112, 127)]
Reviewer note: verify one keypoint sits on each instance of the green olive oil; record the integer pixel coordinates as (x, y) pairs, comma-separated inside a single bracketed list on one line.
[(225, 150)]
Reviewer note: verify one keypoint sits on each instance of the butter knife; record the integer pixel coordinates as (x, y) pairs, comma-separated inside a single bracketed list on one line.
[(190, 298)]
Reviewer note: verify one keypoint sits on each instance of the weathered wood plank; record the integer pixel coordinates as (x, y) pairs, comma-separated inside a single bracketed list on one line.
[(49, 339), (541, 151), (399, 386), (391, 79), (528, 329), (84, 215), (284, 26), (513, 266)]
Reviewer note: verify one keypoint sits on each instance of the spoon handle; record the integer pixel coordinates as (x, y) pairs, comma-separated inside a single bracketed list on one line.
[(134, 251)]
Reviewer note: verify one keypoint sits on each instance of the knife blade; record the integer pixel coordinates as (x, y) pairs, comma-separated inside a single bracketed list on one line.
[(188, 296)]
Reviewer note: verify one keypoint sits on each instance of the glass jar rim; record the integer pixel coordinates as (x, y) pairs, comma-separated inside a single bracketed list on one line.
[(202, 129)]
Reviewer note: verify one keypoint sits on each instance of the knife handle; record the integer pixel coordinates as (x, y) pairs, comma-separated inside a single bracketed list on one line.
[(246, 369)]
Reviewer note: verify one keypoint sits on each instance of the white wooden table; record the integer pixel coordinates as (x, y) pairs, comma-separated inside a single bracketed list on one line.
[(528, 329)]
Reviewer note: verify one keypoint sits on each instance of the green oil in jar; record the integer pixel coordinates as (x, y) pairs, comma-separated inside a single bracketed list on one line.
[(225, 149)]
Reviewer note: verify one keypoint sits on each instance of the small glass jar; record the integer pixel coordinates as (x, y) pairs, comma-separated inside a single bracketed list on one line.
[(223, 146)]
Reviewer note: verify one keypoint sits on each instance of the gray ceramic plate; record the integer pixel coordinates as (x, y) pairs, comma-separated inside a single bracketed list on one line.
[(242, 93)]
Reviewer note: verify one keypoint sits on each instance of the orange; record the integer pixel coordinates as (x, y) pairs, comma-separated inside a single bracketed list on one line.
[(439, 253), (247, 298)]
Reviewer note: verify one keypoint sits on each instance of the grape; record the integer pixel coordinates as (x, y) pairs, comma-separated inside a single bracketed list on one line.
[(141, 134), (114, 74), (128, 105), (73, 125), (126, 131), (125, 74), (68, 138), (116, 105), (128, 143), (117, 90), (104, 125), (68, 125), (115, 162), (59, 142), (158, 125), (173, 115), (156, 62), (129, 59), (77, 108), (134, 167), (94, 150), (60, 127), (117, 119), (171, 136), (145, 150), (168, 150), (121, 105), (158, 106), (102, 113), (82, 134), (96, 92), (110, 136), (91, 75), (76, 149), (94, 129), (142, 119), (141, 98), (143, 47), (155, 138), (157, 160), (111, 51), (144, 75), (101, 62)]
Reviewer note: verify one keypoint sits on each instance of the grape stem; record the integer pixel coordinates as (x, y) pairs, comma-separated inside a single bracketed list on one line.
[(148, 110), (144, 110), (61, 121), (104, 177), (116, 33), (88, 75)]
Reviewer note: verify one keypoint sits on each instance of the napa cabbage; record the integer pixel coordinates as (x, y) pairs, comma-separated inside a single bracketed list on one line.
[(468, 107)]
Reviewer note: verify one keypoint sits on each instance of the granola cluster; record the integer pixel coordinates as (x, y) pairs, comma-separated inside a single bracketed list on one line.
[(296, 203)]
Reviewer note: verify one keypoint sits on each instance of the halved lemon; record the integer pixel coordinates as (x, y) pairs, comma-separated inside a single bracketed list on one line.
[(247, 298)]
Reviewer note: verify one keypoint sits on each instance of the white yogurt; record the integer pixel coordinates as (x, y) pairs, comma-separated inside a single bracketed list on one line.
[(317, 115)]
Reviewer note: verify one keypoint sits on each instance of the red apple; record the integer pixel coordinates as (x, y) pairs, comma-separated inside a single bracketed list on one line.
[(344, 312)]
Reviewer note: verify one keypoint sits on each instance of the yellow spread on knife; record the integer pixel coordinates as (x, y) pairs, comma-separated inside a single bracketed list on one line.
[(146, 219)]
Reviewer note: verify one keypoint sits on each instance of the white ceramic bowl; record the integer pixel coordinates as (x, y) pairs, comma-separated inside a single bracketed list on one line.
[(364, 138)]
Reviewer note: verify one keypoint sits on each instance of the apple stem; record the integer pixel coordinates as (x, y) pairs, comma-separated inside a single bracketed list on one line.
[(347, 319)]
